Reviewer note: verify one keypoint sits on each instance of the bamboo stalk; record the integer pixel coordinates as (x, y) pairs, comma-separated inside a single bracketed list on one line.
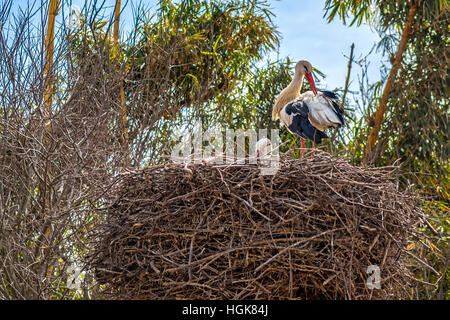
[(349, 69), (369, 156), (47, 112), (49, 48), (123, 126), (347, 83)]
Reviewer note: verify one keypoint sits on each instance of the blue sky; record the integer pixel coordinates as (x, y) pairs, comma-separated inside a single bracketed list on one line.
[(307, 35)]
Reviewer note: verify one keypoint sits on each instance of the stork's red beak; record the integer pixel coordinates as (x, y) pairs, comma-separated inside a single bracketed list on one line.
[(310, 79)]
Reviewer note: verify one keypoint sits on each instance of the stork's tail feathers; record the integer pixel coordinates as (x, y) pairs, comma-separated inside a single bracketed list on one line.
[(330, 94), (338, 108)]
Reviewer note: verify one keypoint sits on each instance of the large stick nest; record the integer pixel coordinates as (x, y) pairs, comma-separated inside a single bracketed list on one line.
[(208, 231)]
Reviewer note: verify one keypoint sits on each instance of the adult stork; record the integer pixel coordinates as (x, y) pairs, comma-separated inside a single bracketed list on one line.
[(309, 114)]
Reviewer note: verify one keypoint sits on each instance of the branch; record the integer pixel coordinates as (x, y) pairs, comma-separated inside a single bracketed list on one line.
[(379, 116), (347, 79)]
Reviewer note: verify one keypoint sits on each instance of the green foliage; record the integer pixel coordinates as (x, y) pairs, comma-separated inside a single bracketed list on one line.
[(249, 105), (415, 132), (384, 14), (209, 45), (416, 127), (357, 10)]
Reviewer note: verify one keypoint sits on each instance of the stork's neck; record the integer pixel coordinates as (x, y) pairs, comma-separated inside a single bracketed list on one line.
[(291, 92), (296, 84)]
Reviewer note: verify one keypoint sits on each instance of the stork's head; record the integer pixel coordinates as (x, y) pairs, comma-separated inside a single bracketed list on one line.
[(304, 67), (263, 147)]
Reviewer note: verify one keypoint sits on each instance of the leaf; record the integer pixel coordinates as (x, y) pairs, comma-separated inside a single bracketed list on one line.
[(333, 13)]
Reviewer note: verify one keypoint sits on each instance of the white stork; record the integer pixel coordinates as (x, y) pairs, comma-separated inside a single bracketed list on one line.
[(307, 115)]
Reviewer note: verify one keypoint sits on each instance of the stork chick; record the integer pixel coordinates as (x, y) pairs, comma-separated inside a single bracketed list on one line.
[(263, 147)]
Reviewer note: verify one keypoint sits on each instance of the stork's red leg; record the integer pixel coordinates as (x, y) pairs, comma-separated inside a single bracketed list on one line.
[(314, 148), (303, 148)]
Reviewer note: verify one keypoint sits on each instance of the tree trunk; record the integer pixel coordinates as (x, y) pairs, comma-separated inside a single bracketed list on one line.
[(49, 47), (123, 122), (44, 189), (369, 155)]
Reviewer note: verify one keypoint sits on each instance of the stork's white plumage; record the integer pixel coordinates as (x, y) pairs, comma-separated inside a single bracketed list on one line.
[(324, 112), (307, 115), (263, 147)]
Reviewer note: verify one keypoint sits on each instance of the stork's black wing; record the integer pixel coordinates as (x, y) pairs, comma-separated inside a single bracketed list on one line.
[(300, 125)]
